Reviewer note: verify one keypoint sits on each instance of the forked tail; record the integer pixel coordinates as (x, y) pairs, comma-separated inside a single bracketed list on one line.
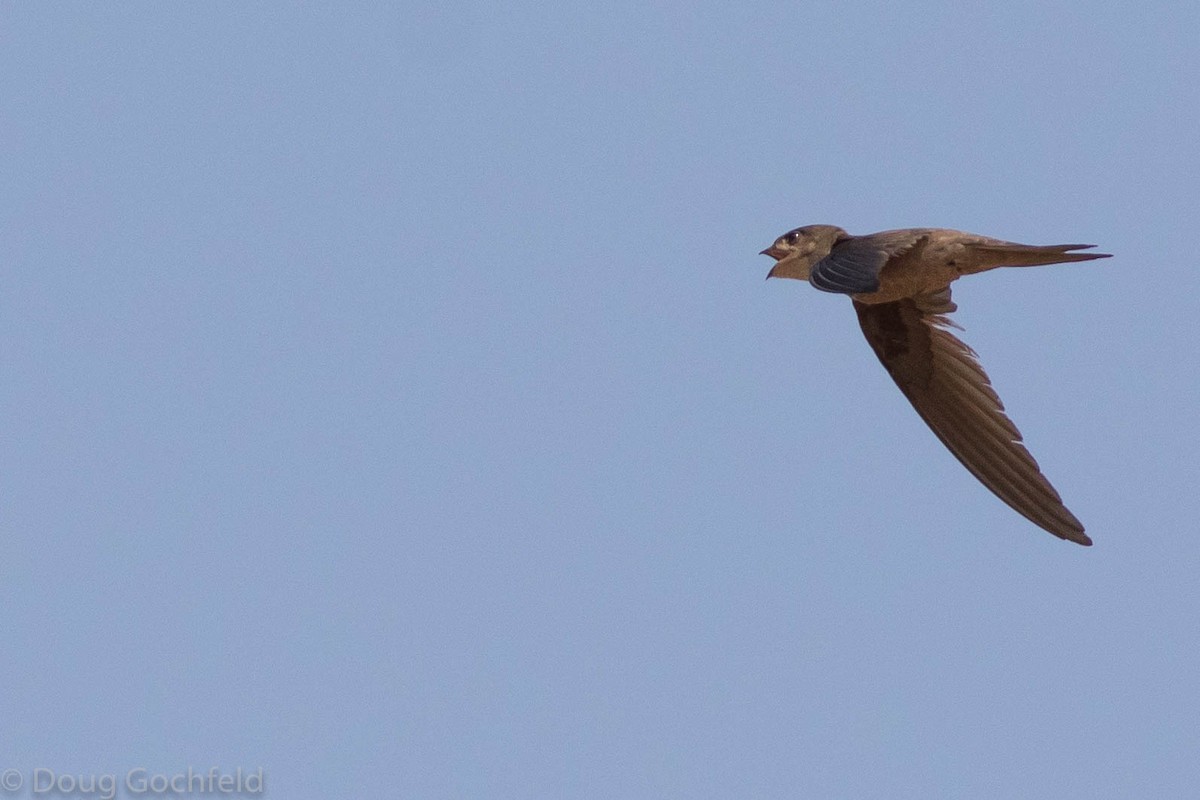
[(1028, 255)]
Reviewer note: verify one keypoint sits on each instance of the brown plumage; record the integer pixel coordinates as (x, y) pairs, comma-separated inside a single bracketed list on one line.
[(900, 284)]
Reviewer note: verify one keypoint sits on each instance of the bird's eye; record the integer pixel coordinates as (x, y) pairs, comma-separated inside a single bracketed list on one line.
[(792, 237)]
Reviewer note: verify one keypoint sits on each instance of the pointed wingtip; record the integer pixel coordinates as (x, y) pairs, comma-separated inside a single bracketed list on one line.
[(1078, 537)]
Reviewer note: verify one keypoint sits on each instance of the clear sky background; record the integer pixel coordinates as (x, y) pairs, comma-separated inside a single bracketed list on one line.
[(391, 398)]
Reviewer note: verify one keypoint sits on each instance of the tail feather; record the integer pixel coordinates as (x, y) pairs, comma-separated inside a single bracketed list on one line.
[(1027, 255)]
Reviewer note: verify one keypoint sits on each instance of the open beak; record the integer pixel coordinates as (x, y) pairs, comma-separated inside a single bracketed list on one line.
[(787, 265)]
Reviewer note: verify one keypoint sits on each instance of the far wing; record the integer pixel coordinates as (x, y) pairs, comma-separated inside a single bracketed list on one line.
[(854, 263), (949, 389)]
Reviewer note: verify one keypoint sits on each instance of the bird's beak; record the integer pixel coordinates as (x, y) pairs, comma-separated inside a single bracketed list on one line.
[(777, 254)]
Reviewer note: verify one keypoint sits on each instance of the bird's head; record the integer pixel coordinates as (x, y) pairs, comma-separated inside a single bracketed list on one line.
[(797, 250)]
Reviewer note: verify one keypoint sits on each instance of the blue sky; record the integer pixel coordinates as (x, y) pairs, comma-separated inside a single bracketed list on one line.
[(392, 399)]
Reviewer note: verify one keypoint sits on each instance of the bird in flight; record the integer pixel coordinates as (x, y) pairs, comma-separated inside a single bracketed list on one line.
[(900, 284)]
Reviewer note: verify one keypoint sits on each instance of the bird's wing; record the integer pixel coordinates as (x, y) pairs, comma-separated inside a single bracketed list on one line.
[(854, 263), (943, 380)]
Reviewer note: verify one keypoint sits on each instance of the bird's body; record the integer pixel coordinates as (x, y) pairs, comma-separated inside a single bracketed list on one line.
[(900, 284)]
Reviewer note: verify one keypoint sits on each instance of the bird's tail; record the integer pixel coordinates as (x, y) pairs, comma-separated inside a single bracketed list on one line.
[(1008, 254)]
